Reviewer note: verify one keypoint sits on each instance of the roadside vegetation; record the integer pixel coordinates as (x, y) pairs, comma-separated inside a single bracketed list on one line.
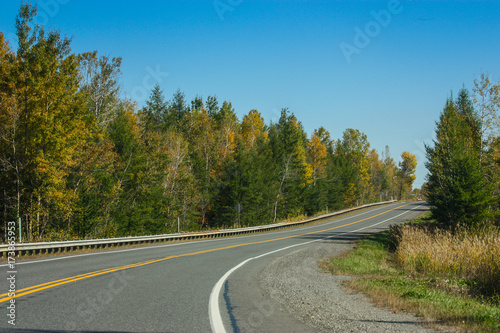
[(447, 280), (445, 266)]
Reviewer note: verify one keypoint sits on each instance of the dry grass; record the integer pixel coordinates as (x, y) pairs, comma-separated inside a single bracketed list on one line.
[(459, 255), (445, 279)]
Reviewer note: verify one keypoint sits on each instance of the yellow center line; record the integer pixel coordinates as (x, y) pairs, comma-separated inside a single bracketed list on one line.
[(47, 285)]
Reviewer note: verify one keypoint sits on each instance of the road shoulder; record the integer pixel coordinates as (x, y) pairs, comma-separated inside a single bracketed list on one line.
[(317, 299)]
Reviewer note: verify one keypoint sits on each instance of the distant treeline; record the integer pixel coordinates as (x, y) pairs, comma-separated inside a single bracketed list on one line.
[(77, 160)]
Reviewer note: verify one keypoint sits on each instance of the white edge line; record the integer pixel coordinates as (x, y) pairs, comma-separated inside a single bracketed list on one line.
[(213, 304)]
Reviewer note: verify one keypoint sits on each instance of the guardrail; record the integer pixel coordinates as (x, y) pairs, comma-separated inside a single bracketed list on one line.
[(65, 246)]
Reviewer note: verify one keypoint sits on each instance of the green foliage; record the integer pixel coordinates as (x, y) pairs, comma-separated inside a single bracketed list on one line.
[(406, 173), (370, 257), (457, 185), (156, 113), (292, 172)]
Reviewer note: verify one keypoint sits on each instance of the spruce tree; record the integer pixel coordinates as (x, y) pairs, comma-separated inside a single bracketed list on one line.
[(457, 186), (155, 112)]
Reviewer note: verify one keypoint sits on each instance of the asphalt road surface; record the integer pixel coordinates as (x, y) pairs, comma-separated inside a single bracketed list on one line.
[(199, 286)]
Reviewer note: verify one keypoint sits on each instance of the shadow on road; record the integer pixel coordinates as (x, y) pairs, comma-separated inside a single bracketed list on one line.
[(422, 208), (331, 236)]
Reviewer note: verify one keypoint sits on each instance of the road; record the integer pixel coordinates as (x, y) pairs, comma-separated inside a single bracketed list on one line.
[(180, 287)]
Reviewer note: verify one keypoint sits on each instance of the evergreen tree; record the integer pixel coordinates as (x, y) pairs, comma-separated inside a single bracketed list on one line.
[(197, 103), (212, 106), (342, 178), (457, 187), (287, 141), (178, 110), (156, 113)]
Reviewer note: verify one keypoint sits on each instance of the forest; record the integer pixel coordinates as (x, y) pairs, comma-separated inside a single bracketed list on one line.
[(79, 160)]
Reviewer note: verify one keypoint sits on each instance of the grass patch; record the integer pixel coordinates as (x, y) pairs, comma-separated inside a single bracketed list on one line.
[(439, 299)]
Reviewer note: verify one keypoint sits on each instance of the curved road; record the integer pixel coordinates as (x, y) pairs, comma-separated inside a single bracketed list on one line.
[(181, 287)]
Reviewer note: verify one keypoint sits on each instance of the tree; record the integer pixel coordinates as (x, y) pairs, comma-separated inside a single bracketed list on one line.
[(252, 128), (406, 173), (317, 153), (457, 186), (178, 181), (197, 103), (155, 113), (52, 126), (316, 195), (248, 182), (124, 133), (493, 173), (10, 162), (227, 126), (287, 141), (324, 137), (203, 153), (212, 106), (99, 85), (377, 175), (178, 110), (355, 146), (247, 177), (487, 102), (390, 172), (93, 181)]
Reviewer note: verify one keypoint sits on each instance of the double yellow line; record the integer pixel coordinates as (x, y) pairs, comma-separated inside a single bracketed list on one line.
[(33, 289)]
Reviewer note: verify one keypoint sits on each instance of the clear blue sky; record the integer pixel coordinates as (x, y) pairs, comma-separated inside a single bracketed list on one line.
[(390, 81)]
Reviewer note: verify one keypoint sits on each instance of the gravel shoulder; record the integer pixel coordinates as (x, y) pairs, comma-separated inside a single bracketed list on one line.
[(317, 299)]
